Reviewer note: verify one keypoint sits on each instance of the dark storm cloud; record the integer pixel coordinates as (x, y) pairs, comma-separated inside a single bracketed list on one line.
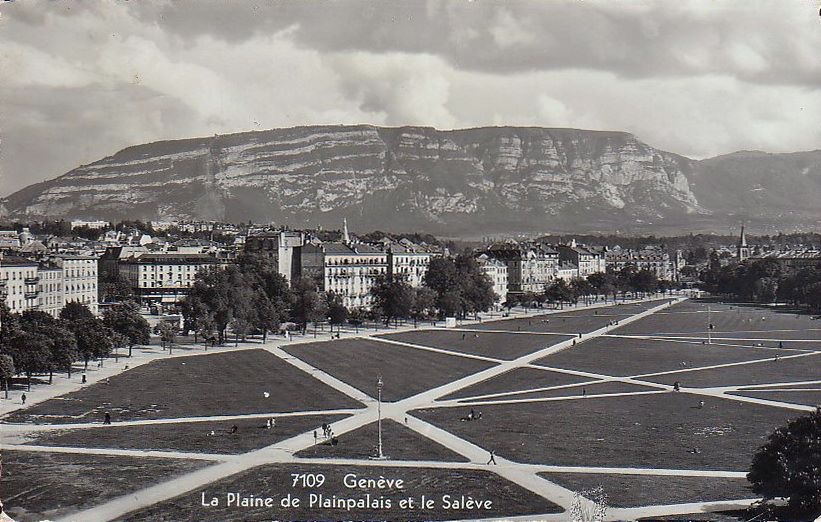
[(628, 39)]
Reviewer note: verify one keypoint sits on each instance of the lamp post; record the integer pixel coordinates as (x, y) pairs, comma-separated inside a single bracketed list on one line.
[(709, 326), (379, 454)]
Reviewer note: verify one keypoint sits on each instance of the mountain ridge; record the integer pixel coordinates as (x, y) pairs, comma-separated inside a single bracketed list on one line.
[(495, 179)]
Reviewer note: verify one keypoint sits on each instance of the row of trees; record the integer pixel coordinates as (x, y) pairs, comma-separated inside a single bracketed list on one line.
[(766, 281), (34, 342), (252, 297), (628, 280)]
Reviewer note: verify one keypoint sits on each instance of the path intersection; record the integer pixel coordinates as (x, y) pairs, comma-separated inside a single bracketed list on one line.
[(564, 402)]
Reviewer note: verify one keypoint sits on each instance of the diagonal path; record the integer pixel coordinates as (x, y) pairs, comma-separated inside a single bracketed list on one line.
[(437, 350)]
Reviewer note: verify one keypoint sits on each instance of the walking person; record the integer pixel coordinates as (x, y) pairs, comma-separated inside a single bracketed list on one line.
[(492, 459), (107, 419), (23, 398)]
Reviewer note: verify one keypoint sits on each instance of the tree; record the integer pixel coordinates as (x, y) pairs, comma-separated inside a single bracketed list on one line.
[(60, 338), (63, 348), (74, 312), (9, 326), (787, 466), (424, 301), (337, 313), (114, 288), (167, 333), (644, 281), (31, 353), (196, 315), (268, 315), (460, 285), (604, 284), (262, 275), (6, 371), (558, 292), (309, 304), (125, 319), (393, 297), (93, 340), (356, 317), (512, 300), (222, 292), (442, 276), (476, 286)]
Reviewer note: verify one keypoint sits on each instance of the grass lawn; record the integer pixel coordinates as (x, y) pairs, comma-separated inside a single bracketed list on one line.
[(808, 398), (275, 481), (659, 430), (577, 391), (770, 371), (40, 486), (489, 344), (624, 357), (570, 323), (398, 442), (215, 384), (188, 436), (644, 490), (728, 320), (519, 379), (405, 371)]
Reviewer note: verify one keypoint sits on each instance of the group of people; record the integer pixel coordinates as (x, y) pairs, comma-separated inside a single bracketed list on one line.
[(327, 434), (473, 415)]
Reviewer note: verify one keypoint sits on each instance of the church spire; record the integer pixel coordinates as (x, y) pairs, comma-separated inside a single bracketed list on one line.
[(742, 250), (345, 237)]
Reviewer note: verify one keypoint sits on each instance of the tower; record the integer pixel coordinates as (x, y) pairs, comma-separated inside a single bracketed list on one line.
[(742, 250)]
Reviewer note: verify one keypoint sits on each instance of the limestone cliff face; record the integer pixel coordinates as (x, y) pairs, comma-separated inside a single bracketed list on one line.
[(485, 179)]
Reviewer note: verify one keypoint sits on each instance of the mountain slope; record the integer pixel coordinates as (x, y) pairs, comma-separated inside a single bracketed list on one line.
[(486, 179), (479, 181), (753, 185)]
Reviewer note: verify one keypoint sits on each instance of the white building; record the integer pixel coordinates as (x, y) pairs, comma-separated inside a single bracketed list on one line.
[(18, 283), (589, 260), (654, 260), (50, 288), (497, 272), (529, 267), (349, 271), (567, 271), (79, 279), (163, 277), (408, 261), (95, 225)]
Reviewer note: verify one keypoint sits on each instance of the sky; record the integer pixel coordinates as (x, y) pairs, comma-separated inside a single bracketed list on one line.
[(81, 80)]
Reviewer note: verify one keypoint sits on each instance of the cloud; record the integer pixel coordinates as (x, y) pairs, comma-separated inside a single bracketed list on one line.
[(79, 81)]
